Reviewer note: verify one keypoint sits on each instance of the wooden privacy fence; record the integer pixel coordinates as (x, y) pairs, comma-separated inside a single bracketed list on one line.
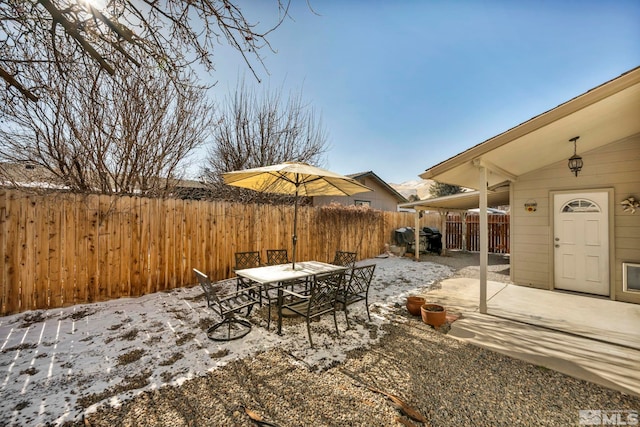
[(498, 233), (62, 249)]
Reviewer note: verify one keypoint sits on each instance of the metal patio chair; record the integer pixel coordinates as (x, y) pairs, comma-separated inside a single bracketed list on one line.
[(227, 306), (277, 256), (270, 292), (345, 259), (250, 259), (320, 299), (356, 289)]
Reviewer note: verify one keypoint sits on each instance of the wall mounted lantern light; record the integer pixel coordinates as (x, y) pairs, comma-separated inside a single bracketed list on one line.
[(575, 161)]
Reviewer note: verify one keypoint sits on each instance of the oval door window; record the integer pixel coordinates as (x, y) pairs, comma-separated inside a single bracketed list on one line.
[(580, 205)]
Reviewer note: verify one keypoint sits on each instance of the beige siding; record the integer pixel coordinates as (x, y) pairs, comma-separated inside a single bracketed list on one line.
[(380, 198), (615, 166)]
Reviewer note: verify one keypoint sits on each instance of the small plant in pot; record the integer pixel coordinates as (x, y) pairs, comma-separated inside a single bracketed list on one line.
[(433, 314), (413, 305)]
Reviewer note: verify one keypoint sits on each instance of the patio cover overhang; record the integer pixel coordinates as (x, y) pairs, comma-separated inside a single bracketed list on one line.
[(461, 201), (604, 114)]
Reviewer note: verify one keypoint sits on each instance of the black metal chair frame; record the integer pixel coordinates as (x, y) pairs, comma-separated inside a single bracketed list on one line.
[(247, 259), (356, 289), (227, 306), (269, 293), (319, 300), (277, 256), (250, 259), (345, 259)]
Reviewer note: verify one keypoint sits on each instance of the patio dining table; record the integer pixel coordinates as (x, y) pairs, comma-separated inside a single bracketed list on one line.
[(277, 275)]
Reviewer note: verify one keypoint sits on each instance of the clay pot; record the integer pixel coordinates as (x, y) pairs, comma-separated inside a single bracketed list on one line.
[(414, 304), (433, 314)]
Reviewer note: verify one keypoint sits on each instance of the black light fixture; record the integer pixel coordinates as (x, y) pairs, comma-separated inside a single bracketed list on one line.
[(575, 161)]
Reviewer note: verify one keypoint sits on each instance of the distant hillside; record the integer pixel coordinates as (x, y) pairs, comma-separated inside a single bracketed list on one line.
[(419, 187)]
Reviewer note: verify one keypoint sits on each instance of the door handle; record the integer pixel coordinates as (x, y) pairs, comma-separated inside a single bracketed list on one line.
[(557, 246)]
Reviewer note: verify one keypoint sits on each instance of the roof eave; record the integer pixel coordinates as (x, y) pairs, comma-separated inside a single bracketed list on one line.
[(565, 109), (460, 201), (398, 196)]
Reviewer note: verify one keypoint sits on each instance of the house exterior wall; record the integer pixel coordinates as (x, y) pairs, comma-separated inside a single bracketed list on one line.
[(614, 167), (380, 198)]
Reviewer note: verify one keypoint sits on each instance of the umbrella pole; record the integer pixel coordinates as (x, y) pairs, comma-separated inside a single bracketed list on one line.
[(295, 225)]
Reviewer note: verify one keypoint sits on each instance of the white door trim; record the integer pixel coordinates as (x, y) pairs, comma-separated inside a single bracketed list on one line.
[(610, 232)]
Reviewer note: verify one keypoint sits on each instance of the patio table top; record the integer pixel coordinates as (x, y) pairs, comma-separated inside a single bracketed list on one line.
[(285, 272)]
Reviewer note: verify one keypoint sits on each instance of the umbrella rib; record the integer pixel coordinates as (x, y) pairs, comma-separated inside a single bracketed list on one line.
[(281, 175), (337, 187), (297, 182)]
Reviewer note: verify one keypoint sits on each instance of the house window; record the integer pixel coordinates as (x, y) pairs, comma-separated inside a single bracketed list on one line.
[(580, 205), (363, 203), (630, 277)]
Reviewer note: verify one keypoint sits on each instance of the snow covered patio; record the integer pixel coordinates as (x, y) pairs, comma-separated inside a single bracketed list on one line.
[(57, 364)]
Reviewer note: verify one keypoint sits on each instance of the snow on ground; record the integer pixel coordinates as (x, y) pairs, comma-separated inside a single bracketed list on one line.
[(57, 364)]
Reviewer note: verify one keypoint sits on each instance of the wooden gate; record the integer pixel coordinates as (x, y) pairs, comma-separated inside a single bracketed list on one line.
[(498, 233)]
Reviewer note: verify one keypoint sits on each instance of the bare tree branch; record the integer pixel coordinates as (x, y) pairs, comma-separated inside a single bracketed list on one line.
[(13, 82), (122, 135), (72, 34), (253, 130), (72, 30)]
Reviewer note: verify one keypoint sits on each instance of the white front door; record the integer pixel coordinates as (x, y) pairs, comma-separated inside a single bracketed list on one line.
[(581, 242)]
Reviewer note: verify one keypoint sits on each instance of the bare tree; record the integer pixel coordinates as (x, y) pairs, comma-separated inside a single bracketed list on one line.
[(254, 130), (122, 135), (64, 36)]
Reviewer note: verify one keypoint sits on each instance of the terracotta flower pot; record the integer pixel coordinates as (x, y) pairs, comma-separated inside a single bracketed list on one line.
[(433, 314), (414, 304)]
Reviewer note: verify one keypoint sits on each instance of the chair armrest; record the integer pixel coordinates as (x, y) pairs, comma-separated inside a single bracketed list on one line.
[(234, 294), (295, 294)]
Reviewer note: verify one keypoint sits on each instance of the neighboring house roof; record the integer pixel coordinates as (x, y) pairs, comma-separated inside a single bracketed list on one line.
[(602, 115), (369, 174), (28, 175), (36, 176)]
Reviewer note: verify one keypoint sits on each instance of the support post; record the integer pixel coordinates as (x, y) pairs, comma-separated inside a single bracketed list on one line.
[(417, 235), (484, 239), (463, 218), (443, 227)]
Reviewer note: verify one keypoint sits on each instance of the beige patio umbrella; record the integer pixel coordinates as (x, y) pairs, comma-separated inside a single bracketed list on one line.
[(296, 179)]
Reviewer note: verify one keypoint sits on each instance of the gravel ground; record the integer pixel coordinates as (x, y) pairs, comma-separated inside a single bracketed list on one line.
[(447, 381)]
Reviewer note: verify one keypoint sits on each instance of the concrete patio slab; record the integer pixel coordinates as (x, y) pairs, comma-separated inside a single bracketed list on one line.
[(590, 338)]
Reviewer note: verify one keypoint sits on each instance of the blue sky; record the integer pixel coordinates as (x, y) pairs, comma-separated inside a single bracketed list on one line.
[(404, 85)]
